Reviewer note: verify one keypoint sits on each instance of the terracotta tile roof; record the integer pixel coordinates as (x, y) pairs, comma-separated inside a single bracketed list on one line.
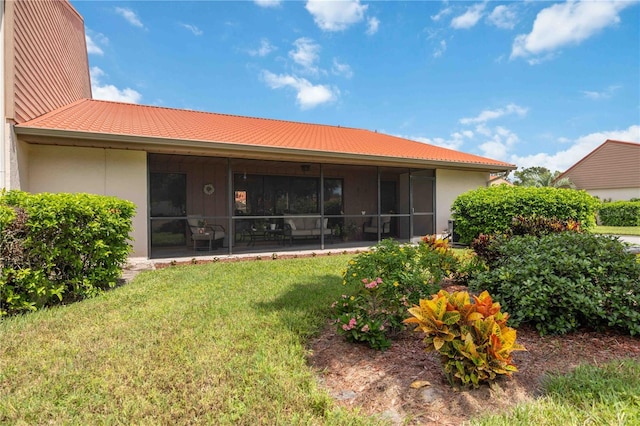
[(120, 119)]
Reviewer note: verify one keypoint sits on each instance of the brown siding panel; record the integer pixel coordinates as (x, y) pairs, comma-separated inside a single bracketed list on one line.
[(612, 165), (50, 66)]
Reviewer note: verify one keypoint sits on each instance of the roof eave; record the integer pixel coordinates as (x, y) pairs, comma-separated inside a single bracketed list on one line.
[(194, 147)]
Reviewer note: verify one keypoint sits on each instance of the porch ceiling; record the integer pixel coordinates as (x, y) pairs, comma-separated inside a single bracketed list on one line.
[(161, 130)]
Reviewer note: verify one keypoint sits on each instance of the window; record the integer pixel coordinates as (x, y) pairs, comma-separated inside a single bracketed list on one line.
[(333, 201), (168, 194), (279, 195)]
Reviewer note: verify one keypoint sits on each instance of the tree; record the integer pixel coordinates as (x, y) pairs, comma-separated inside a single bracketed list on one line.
[(539, 177)]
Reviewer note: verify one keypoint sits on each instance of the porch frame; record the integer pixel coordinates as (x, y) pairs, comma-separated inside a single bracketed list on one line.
[(231, 219)]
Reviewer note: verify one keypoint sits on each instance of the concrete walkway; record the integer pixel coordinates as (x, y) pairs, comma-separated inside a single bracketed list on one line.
[(137, 264), (631, 239)]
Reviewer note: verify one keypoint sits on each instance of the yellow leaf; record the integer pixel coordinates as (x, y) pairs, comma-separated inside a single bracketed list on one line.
[(438, 342), (474, 316), (419, 384)]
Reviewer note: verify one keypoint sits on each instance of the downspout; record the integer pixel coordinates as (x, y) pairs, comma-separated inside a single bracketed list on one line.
[(322, 207), (231, 201)]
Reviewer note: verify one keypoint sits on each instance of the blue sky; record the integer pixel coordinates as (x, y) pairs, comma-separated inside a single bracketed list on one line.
[(533, 83)]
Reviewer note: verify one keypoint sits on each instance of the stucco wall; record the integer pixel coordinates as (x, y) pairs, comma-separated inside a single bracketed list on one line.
[(118, 173), (618, 194), (450, 184)]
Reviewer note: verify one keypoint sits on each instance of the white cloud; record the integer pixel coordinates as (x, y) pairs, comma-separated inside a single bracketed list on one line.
[(92, 47), (308, 95), (306, 54), (130, 16), (95, 41), (582, 146), (336, 15), (264, 49), (438, 51), (109, 92), (268, 3), (567, 23), (500, 143), (372, 25), (444, 12), (470, 18), (605, 94), (455, 140), (341, 69), (503, 17), (487, 115), (483, 130), (195, 30)]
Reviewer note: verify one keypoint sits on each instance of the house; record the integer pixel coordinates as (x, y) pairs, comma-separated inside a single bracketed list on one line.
[(609, 172), (498, 180), (245, 175)]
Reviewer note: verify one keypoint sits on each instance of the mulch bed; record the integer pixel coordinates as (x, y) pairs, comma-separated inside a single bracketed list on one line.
[(378, 383)]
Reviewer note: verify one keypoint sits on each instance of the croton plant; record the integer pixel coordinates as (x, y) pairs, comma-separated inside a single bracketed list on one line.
[(472, 338)]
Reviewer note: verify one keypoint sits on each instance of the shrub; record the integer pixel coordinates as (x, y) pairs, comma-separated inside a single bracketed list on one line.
[(540, 225), (469, 265), (60, 247), (487, 246), (560, 282), (490, 210), (383, 283), (473, 339), (23, 286), (620, 213)]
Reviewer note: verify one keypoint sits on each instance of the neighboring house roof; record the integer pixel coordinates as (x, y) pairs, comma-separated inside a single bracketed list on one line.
[(101, 123), (46, 58), (614, 164), (499, 180)]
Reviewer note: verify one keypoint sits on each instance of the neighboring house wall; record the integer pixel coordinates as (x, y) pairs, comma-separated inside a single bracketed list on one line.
[(120, 173), (450, 184), (620, 194), (4, 127), (610, 171), (46, 65)]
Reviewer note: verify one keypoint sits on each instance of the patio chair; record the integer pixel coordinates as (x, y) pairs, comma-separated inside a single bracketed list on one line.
[(371, 228), (212, 234)]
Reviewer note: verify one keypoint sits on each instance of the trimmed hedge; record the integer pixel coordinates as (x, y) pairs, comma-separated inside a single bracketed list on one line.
[(620, 213), (561, 282), (60, 247), (490, 210)]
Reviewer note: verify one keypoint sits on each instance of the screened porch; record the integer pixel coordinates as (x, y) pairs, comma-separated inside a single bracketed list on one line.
[(216, 206)]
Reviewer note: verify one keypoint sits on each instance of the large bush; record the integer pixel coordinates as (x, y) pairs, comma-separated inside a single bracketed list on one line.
[(490, 210), (620, 213), (381, 284), (560, 282), (60, 247)]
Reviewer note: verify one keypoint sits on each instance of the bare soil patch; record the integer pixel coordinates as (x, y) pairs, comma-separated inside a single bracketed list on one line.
[(379, 383)]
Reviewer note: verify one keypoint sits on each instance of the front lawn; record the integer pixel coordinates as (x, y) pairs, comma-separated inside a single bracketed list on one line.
[(221, 343), (617, 230), (609, 395)]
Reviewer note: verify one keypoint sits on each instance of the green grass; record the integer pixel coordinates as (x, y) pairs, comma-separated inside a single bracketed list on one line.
[(609, 395), (221, 343), (617, 230), (224, 343)]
